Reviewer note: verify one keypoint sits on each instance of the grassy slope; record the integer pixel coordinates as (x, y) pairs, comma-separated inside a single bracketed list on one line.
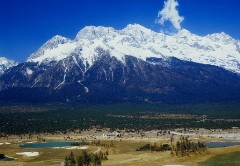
[(232, 159)]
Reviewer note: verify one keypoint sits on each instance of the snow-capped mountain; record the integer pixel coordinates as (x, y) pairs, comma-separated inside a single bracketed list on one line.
[(133, 64), (217, 49), (6, 64), (59, 44)]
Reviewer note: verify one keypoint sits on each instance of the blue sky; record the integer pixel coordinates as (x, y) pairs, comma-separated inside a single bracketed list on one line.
[(26, 24)]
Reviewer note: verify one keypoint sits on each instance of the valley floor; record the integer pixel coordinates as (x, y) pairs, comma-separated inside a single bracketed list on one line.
[(123, 153)]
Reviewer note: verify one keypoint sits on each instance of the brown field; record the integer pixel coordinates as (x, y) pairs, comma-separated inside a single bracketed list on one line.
[(122, 154)]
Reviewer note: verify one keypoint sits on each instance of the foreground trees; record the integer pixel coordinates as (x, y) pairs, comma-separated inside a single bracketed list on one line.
[(155, 147), (85, 159), (181, 147), (69, 160)]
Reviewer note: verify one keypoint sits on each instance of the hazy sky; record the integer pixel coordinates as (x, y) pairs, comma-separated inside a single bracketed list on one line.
[(26, 24)]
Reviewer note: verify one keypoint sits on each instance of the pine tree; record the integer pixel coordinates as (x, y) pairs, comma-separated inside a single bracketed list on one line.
[(86, 158), (96, 160), (69, 160), (80, 161)]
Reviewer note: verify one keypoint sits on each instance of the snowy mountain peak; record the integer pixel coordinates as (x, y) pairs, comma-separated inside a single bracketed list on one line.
[(6, 64), (217, 49), (58, 39), (3, 60), (221, 37), (136, 27), (92, 32), (43, 52), (54, 42)]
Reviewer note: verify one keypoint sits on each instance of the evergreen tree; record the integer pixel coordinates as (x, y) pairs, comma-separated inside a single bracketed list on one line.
[(96, 160), (80, 161), (69, 160), (86, 158)]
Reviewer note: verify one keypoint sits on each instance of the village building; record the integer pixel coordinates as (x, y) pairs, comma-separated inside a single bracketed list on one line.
[(111, 135)]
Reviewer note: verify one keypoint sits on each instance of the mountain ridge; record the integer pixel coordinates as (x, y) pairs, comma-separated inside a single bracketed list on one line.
[(109, 80), (6, 64), (217, 49), (104, 65)]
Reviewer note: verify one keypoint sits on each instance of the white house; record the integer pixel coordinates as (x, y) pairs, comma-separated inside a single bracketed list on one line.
[(113, 134)]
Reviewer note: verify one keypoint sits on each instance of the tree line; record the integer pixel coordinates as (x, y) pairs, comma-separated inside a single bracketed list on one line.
[(62, 119)]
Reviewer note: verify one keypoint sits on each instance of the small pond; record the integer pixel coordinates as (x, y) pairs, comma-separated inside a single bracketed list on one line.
[(51, 144), (220, 144)]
